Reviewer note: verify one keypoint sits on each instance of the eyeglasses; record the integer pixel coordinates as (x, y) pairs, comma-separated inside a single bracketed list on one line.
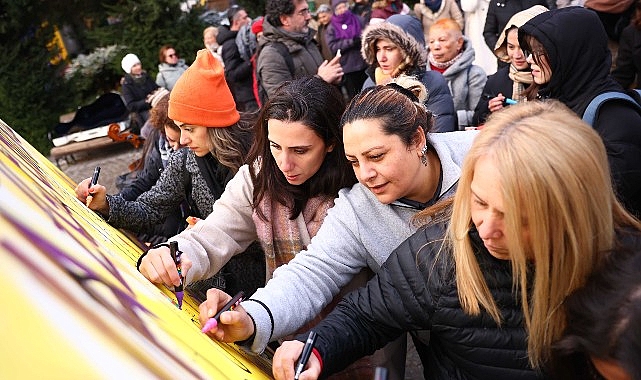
[(303, 12), (172, 55), (535, 54)]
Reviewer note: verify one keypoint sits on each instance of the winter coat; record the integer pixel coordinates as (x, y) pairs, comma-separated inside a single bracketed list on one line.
[(135, 91), (448, 9), (271, 66), (416, 291), (466, 82), (628, 63), (406, 33), (499, 13), (384, 12), (238, 72), (321, 39), (475, 12), (499, 82), (580, 62), (145, 179), (168, 74), (351, 59)]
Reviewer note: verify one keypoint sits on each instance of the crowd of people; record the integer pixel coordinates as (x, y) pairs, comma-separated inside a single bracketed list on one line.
[(372, 172)]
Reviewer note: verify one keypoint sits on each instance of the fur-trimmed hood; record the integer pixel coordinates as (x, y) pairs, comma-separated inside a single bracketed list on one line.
[(404, 31)]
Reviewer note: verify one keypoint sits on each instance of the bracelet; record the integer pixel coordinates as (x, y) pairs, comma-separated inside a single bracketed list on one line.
[(271, 317), (145, 253)]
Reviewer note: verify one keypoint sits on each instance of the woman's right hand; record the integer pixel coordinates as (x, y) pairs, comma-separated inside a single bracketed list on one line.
[(95, 197), (496, 103), (286, 359), (234, 325), (159, 267)]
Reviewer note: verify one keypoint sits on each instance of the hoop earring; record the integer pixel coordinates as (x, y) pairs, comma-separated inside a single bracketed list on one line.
[(424, 155)]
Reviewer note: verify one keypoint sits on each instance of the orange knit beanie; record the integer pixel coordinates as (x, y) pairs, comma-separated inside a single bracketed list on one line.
[(201, 95)]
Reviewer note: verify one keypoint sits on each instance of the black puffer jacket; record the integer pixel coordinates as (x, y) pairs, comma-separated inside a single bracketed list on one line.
[(416, 290), (238, 72), (580, 61)]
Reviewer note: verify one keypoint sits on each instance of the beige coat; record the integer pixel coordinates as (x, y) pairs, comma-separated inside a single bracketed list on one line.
[(448, 9)]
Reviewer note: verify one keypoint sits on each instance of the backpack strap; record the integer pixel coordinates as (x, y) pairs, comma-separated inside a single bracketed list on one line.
[(283, 51), (259, 92), (593, 108)]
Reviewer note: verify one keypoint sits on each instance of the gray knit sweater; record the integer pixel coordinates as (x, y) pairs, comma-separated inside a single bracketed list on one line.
[(153, 206), (358, 232)]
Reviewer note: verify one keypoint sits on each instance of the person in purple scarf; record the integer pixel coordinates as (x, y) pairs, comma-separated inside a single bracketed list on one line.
[(344, 33)]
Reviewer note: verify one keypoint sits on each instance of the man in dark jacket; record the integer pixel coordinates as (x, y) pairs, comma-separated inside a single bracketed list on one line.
[(238, 72), (286, 22)]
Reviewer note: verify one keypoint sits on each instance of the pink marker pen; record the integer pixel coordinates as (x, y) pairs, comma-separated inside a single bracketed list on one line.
[(213, 321)]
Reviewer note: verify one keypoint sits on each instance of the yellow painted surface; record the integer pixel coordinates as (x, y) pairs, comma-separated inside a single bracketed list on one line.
[(73, 304)]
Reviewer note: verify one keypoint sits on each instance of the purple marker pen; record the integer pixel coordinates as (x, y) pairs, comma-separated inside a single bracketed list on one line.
[(178, 290)]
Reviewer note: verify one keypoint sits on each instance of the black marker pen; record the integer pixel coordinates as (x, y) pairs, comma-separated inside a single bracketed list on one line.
[(307, 352), (94, 178)]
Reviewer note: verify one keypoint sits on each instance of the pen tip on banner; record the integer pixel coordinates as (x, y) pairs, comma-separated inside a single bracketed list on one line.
[(179, 298), (210, 324)]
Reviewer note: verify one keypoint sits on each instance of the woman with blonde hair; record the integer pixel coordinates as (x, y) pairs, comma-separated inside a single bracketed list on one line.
[(533, 215)]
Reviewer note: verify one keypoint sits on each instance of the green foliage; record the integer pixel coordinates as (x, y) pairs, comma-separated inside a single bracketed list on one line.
[(31, 88), (34, 93), (144, 26)]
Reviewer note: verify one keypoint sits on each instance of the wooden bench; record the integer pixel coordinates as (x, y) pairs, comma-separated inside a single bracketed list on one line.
[(68, 150)]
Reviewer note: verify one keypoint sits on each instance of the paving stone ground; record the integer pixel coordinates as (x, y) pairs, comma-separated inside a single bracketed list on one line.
[(115, 160)]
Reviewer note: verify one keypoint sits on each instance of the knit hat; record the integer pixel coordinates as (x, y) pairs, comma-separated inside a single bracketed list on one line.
[(155, 96), (257, 26), (518, 20), (201, 95), (336, 2), (128, 62)]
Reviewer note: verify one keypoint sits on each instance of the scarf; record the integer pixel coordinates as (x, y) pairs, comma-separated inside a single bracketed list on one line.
[(346, 26), (442, 66), (214, 173), (380, 77), (519, 79), (281, 237), (164, 148), (433, 5)]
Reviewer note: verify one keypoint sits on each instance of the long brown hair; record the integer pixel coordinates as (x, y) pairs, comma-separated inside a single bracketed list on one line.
[(318, 105)]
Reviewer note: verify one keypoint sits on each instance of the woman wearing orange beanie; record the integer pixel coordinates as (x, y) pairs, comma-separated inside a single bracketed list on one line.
[(217, 142)]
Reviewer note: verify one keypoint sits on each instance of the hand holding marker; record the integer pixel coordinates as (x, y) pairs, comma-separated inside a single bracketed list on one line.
[(175, 255), (213, 321), (307, 352), (94, 181)]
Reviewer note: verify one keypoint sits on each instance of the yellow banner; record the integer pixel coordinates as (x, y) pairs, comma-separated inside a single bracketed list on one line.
[(74, 305)]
